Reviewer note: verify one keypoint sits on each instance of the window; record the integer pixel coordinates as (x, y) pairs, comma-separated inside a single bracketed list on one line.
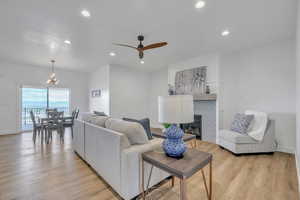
[(39, 99), (59, 98)]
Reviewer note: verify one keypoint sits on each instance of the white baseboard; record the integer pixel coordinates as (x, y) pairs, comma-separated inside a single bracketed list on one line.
[(285, 149), (9, 132)]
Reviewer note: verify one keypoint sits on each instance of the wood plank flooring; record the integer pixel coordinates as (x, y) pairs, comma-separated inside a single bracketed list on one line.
[(54, 171)]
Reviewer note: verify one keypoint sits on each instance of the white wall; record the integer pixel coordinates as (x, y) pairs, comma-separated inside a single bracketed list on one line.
[(298, 93), (129, 92), (209, 60), (159, 87), (262, 79), (13, 76), (100, 80)]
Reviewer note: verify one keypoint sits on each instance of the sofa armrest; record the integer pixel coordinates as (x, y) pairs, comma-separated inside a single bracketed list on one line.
[(138, 149), (131, 169)]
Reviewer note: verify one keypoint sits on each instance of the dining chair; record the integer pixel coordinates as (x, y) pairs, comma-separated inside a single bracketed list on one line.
[(77, 113), (55, 114), (69, 122), (37, 127), (51, 110), (55, 123)]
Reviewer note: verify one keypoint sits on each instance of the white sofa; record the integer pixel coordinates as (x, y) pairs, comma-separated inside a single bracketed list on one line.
[(116, 162)]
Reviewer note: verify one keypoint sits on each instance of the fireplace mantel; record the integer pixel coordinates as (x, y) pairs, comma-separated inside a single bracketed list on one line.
[(205, 97)]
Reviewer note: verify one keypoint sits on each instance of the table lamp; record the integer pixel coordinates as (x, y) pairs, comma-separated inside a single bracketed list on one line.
[(175, 110)]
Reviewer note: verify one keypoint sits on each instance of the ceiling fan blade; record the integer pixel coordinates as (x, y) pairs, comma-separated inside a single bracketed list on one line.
[(125, 45), (156, 45)]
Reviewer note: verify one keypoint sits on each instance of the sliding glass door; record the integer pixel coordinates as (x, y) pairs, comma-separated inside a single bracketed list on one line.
[(39, 99), (59, 98), (33, 99)]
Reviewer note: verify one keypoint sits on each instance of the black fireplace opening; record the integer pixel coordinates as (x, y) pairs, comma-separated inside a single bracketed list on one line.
[(194, 128)]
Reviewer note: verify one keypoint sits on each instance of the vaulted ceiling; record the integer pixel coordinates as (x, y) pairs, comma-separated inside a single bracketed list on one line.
[(33, 31)]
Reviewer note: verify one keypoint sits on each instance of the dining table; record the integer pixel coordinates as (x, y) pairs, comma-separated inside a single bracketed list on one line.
[(45, 120)]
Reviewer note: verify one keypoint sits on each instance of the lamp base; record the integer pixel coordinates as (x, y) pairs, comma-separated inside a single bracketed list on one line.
[(173, 145), (173, 156)]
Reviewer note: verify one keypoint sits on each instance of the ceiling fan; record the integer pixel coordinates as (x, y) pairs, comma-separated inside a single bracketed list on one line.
[(141, 48)]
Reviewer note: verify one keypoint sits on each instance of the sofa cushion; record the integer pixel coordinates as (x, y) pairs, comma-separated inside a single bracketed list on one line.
[(236, 138), (95, 119), (145, 123), (125, 142), (99, 120), (134, 131), (241, 123), (87, 117)]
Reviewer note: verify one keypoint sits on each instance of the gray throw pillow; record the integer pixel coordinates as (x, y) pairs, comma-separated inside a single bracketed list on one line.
[(99, 113), (145, 123), (241, 123)]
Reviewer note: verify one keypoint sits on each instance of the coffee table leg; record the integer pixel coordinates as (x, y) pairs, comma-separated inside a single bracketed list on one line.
[(205, 184), (183, 189), (149, 178), (143, 177)]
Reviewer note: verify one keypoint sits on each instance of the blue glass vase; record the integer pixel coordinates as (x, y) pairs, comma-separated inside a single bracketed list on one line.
[(173, 145)]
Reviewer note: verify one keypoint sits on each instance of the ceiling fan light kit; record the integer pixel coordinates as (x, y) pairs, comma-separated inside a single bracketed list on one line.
[(141, 48)]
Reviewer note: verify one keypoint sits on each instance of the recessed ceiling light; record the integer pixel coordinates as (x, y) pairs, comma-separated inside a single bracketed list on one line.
[(112, 53), (53, 45), (67, 42), (85, 13), (225, 33), (200, 4), (142, 62)]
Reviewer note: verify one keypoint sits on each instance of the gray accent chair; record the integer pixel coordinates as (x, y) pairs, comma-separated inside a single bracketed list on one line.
[(243, 144)]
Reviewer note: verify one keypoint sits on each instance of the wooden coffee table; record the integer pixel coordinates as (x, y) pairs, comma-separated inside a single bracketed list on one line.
[(183, 168)]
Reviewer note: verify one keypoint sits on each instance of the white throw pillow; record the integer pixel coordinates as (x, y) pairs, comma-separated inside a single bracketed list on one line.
[(134, 131)]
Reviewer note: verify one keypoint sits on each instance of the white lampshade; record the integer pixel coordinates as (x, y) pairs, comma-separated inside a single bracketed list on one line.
[(176, 109)]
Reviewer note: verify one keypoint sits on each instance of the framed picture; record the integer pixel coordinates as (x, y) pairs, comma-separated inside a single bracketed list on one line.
[(96, 93), (191, 81)]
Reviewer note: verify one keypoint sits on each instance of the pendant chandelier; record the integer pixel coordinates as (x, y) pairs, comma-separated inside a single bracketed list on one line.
[(52, 81)]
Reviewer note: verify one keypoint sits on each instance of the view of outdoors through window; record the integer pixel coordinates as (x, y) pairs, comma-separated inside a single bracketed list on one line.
[(39, 99)]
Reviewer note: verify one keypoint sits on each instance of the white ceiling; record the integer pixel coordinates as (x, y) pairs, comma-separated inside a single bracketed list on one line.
[(28, 27)]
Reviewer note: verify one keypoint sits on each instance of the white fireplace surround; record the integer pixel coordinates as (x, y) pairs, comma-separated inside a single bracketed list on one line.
[(207, 109)]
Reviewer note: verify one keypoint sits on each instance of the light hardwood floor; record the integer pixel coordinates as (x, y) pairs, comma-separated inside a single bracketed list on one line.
[(40, 172)]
